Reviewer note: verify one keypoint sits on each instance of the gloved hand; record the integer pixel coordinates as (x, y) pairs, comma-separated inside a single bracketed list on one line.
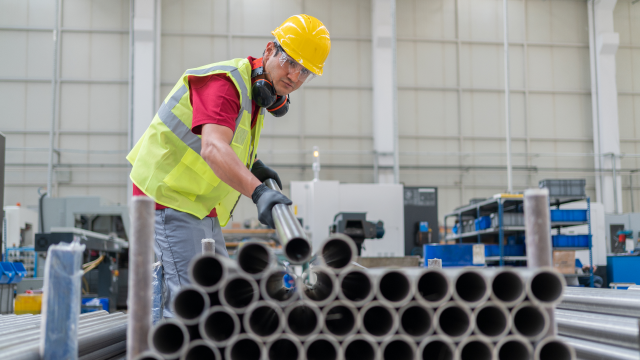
[(265, 199), (263, 172)]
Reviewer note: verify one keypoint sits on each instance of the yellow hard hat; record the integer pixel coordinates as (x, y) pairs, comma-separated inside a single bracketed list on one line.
[(306, 40)]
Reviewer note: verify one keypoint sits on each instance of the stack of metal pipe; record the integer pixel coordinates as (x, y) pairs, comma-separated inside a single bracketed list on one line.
[(338, 310)]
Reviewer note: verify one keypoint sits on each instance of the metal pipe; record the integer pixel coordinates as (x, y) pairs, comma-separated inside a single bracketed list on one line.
[(210, 271), (340, 319), (322, 347), (432, 286), (303, 319), (454, 320), (513, 347), (189, 304), (398, 347), (9, 327), (603, 301), (201, 349), (474, 348), (393, 286), (219, 325), (589, 350), (255, 258), (378, 320), (436, 347), (169, 338), (508, 287), (318, 284), (107, 352), (360, 347), (537, 228), (148, 355), (264, 319), (469, 286), (208, 246), (608, 329), (530, 321), (140, 288), (272, 288), (238, 292), (295, 244), (416, 321), (356, 286), (493, 321), (544, 286), (244, 346), (285, 347), (338, 252), (557, 348)]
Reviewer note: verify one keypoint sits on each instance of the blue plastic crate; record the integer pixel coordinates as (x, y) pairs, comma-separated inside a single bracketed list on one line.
[(483, 223), (509, 250), (570, 240), (568, 215), (7, 273), (451, 255), (515, 239), (455, 228), (21, 272)]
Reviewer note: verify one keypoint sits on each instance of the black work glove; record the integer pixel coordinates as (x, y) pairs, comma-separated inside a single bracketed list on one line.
[(265, 199), (263, 172)]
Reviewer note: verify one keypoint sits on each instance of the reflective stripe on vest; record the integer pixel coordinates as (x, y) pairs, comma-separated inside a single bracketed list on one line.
[(181, 130)]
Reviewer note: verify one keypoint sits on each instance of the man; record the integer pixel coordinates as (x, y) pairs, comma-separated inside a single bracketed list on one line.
[(199, 153)]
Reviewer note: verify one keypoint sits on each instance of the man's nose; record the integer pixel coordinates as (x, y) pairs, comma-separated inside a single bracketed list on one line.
[(294, 76)]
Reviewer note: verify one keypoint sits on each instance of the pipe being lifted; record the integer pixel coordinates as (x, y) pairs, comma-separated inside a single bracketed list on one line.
[(295, 245)]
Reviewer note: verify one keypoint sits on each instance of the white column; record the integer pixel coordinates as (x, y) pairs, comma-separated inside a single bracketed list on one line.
[(603, 46), (385, 128)]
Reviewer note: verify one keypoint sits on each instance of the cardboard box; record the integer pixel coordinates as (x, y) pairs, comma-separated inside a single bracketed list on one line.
[(565, 261)]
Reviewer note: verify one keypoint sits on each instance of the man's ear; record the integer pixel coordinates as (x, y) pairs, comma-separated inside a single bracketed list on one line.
[(268, 52)]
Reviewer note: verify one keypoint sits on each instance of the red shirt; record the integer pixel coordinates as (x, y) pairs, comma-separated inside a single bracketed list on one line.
[(215, 100)]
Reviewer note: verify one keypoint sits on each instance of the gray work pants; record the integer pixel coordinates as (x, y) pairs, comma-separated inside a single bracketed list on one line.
[(177, 241)]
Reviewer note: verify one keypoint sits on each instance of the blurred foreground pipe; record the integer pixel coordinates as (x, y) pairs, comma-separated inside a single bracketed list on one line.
[(338, 252), (436, 347), (295, 245), (454, 320), (513, 347), (398, 347), (431, 286), (507, 286), (208, 246), (219, 325), (474, 348), (557, 348), (530, 321), (140, 287), (356, 286), (148, 355), (469, 286), (238, 292), (285, 346), (255, 258), (201, 349), (318, 284), (360, 347), (340, 319), (544, 285), (322, 347), (169, 338), (603, 301), (189, 304), (378, 320), (416, 321), (210, 271), (590, 350), (608, 329), (393, 286), (272, 287), (264, 319), (245, 346), (107, 352), (34, 322), (493, 321), (303, 319)]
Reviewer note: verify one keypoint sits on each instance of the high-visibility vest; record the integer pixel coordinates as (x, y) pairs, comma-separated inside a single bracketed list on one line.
[(167, 165)]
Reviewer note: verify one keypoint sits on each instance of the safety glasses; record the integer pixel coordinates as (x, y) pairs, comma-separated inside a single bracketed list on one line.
[(295, 67)]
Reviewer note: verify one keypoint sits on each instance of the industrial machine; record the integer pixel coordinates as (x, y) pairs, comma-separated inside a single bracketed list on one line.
[(625, 227), (357, 227), (420, 218)]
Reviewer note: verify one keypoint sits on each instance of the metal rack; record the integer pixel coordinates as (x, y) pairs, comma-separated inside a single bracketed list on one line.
[(27, 256)]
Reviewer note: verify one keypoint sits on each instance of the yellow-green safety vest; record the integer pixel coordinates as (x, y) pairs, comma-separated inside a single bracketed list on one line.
[(167, 165)]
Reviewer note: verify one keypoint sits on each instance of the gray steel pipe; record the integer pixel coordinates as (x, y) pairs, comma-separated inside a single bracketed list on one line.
[(530, 321), (603, 301), (295, 244), (303, 319), (493, 321), (432, 287), (507, 286), (322, 347), (107, 352), (35, 322), (455, 320), (318, 284), (393, 286), (360, 347), (537, 228), (340, 319), (264, 319), (469, 286), (141, 259), (544, 285), (169, 338), (556, 348), (608, 329), (238, 292), (285, 347), (436, 347), (245, 346), (149, 355), (474, 348), (272, 287), (398, 347), (378, 320), (208, 246), (338, 252), (255, 258), (513, 347), (356, 286), (219, 325), (201, 349), (210, 271), (590, 350), (416, 321), (189, 304)]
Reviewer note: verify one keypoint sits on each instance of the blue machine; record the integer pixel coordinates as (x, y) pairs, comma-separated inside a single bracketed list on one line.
[(623, 268), (451, 255)]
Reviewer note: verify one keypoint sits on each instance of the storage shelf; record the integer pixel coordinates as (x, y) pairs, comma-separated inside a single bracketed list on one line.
[(506, 258), (485, 231), (563, 248), (557, 224)]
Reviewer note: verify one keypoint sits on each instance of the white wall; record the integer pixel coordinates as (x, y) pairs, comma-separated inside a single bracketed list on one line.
[(449, 77)]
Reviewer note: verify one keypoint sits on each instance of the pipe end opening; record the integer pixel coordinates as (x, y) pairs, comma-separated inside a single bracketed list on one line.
[(398, 350), (416, 321), (508, 287), (337, 253), (298, 250), (491, 321), (356, 286), (394, 286), (207, 271), (433, 286), (546, 287), (377, 321), (437, 350), (168, 338), (254, 258), (471, 287), (219, 326), (283, 349)]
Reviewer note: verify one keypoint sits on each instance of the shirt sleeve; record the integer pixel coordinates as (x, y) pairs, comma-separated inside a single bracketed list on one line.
[(215, 100)]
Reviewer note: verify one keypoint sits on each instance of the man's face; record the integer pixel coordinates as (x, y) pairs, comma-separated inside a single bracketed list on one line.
[(285, 78)]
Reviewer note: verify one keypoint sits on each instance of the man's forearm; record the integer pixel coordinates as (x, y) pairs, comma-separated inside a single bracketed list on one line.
[(226, 165)]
